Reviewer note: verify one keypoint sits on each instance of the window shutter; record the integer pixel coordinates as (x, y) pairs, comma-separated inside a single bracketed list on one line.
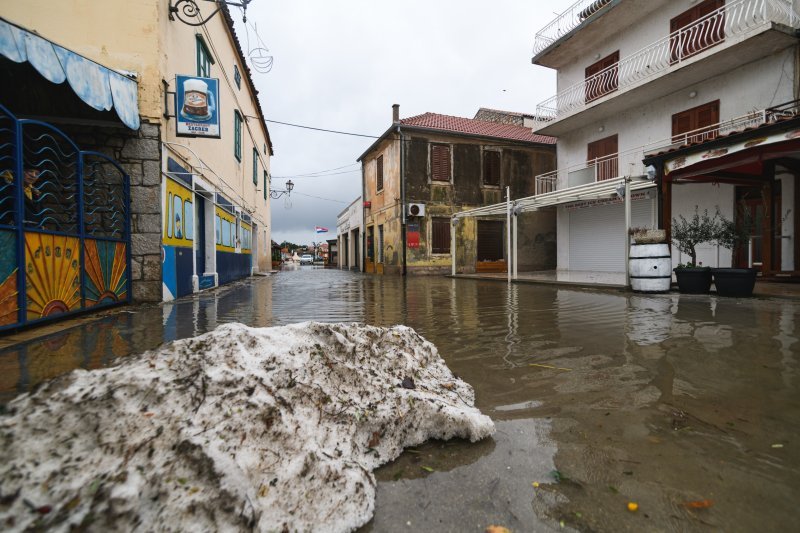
[(440, 162), (440, 235), (599, 153), (491, 167), (379, 173), (697, 121)]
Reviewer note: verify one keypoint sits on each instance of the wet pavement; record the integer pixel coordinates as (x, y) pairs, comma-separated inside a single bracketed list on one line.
[(688, 405)]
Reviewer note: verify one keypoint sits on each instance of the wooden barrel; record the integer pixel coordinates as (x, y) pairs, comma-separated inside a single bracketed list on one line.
[(650, 267)]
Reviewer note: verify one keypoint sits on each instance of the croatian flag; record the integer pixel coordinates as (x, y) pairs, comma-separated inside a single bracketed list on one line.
[(320, 229)]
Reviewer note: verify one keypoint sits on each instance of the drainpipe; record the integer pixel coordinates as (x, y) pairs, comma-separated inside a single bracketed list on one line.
[(362, 267), (453, 227), (508, 233), (403, 192), (516, 241)]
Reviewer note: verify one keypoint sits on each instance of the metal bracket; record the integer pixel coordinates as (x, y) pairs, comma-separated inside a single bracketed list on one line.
[(167, 92), (190, 10)]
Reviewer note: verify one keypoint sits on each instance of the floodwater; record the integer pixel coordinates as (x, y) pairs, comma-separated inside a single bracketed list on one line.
[(687, 405)]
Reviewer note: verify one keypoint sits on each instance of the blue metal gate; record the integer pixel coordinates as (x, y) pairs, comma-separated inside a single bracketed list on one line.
[(64, 225)]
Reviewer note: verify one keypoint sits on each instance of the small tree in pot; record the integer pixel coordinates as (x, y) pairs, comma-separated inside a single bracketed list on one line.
[(686, 235), (730, 235)]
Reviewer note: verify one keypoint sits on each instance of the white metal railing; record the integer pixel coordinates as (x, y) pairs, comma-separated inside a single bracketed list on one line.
[(735, 18), (630, 162), (566, 22)]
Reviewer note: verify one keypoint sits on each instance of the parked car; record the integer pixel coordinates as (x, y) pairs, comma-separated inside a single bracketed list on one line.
[(306, 259)]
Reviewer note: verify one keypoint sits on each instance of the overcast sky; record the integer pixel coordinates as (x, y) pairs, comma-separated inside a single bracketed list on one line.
[(341, 65)]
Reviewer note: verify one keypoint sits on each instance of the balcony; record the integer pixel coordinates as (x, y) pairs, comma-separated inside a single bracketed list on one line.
[(567, 21), (765, 25), (629, 162)]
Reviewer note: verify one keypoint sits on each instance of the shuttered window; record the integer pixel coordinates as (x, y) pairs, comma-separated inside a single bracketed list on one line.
[(602, 77), (440, 235), (266, 180), (440, 162), (380, 243), (696, 30), (204, 59), (491, 167), (255, 167), (379, 173), (602, 156), (693, 125), (237, 135), (490, 240)]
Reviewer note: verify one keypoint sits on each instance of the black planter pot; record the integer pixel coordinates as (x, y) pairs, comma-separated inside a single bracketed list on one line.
[(738, 282), (694, 280)]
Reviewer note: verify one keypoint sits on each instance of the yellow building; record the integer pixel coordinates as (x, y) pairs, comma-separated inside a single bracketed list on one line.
[(192, 141)]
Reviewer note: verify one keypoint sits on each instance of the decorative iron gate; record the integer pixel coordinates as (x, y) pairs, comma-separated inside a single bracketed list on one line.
[(64, 225)]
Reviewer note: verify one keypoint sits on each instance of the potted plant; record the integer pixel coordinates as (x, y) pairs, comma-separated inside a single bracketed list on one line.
[(734, 281), (693, 278)]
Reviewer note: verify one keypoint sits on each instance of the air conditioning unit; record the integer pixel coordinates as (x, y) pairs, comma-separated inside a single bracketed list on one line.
[(416, 210)]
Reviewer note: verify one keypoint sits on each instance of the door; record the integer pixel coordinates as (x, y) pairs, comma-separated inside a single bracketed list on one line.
[(689, 35), (597, 237), (490, 246), (602, 155)]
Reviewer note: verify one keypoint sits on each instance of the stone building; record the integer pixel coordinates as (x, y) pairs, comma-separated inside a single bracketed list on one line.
[(426, 168), (176, 107)]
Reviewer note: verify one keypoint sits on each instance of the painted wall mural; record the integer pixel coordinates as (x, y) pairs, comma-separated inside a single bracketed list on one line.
[(65, 225)]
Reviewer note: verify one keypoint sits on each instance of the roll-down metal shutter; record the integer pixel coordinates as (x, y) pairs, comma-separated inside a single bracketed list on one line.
[(597, 235)]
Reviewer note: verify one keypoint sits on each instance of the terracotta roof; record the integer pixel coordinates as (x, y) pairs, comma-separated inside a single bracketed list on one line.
[(471, 126)]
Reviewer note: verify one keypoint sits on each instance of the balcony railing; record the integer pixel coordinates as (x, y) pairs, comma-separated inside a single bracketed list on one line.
[(630, 162), (735, 18), (566, 22)]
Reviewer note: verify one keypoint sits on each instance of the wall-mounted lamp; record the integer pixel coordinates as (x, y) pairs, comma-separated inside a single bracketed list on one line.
[(277, 194), (601, 129), (692, 94), (597, 56), (190, 10)]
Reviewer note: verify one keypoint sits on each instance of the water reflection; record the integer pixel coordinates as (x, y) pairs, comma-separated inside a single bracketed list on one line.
[(667, 398)]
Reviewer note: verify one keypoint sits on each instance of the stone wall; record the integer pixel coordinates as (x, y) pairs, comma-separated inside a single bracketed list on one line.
[(139, 153)]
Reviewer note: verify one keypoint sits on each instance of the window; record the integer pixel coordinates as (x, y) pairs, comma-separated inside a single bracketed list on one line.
[(602, 156), (696, 29), (255, 167), (440, 162), (693, 124), (237, 76), (379, 173), (440, 235), (380, 243), (237, 135), (204, 60), (218, 227), (226, 232), (176, 212), (602, 77), (188, 220), (169, 215), (266, 180), (491, 167)]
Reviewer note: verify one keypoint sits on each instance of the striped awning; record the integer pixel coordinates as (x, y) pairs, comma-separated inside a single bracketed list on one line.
[(99, 87)]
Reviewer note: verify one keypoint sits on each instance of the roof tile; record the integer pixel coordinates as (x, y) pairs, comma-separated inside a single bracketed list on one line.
[(471, 126)]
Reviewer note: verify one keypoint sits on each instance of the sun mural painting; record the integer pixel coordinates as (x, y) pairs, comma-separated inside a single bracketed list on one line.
[(106, 272), (8, 278), (52, 269)]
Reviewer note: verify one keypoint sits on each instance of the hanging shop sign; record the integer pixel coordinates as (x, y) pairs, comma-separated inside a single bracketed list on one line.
[(197, 106), (412, 235)]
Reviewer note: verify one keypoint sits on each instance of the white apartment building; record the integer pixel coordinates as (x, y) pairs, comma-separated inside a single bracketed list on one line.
[(701, 92)]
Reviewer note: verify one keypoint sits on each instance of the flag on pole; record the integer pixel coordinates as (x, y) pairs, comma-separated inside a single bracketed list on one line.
[(320, 229)]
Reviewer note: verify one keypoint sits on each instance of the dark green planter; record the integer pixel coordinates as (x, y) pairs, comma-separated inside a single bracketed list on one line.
[(695, 280), (736, 282)]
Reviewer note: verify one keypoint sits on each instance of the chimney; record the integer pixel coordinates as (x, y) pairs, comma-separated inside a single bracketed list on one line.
[(395, 113)]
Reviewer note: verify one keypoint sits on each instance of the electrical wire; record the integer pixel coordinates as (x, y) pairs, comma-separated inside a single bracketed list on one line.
[(358, 170), (320, 198), (322, 129)]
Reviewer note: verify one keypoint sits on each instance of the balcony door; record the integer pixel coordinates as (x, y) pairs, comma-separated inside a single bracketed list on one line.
[(697, 124), (602, 77), (697, 29), (602, 156)]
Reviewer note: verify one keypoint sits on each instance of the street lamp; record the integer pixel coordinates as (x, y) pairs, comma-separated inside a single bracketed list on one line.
[(277, 194)]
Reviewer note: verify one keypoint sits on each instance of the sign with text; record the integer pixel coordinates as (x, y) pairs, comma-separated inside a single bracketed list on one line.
[(412, 235), (197, 106)]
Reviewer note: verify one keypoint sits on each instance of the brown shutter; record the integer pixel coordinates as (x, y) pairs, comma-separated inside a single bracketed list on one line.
[(607, 82), (696, 120), (379, 174), (490, 240), (440, 162), (491, 167), (684, 44), (599, 152), (440, 235)]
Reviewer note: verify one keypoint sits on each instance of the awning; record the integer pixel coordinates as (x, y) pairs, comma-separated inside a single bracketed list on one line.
[(98, 86)]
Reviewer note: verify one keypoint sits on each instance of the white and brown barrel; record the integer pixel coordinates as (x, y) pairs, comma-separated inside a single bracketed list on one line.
[(650, 267)]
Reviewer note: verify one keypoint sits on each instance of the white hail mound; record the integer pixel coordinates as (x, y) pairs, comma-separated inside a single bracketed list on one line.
[(276, 429)]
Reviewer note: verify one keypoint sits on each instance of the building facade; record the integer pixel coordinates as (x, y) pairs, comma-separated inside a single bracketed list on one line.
[(698, 97), (349, 235), (197, 154), (424, 169)]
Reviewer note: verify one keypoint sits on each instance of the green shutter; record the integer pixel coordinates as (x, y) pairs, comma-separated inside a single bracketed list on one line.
[(265, 185), (237, 135), (255, 167)]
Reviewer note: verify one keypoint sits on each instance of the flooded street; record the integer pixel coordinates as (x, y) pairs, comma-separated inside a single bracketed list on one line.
[(687, 405)]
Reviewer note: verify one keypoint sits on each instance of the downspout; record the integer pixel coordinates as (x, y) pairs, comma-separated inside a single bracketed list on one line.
[(362, 267), (403, 192)]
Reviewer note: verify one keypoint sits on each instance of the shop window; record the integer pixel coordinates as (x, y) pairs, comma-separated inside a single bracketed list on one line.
[(440, 162), (168, 221), (491, 167), (218, 227), (188, 220), (602, 77), (440, 235), (176, 215), (697, 124), (697, 29)]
